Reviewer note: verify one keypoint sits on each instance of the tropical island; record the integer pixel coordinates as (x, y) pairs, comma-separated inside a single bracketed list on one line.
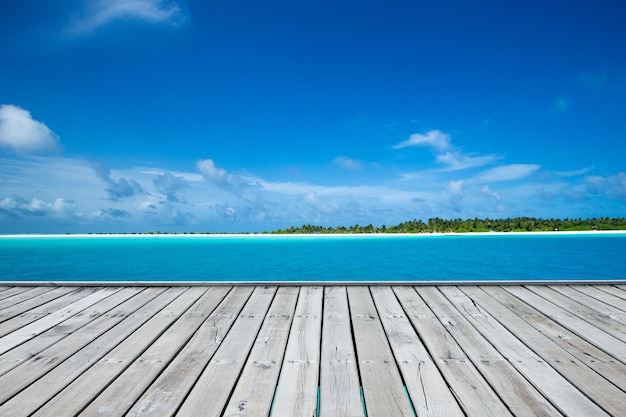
[(475, 225), (438, 225)]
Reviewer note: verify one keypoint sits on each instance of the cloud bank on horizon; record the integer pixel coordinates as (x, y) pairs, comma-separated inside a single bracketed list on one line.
[(154, 124), (53, 192)]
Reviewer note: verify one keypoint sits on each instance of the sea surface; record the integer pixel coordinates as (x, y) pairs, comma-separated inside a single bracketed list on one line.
[(352, 258)]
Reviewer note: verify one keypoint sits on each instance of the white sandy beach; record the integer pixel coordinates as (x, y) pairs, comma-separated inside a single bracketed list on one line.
[(268, 235)]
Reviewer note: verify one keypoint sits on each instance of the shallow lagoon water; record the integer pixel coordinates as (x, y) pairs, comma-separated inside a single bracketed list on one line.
[(351, 258)]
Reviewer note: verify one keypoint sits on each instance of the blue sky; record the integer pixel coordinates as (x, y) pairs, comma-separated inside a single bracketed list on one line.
[(138, 115)]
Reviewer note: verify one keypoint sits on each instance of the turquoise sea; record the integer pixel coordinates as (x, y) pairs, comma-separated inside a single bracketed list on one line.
[(362, 258)]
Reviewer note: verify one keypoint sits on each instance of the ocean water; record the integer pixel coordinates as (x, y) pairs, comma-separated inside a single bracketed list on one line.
[(361, 258)]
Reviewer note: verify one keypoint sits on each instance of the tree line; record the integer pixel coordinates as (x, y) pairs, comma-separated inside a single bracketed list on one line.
[(438, 225)]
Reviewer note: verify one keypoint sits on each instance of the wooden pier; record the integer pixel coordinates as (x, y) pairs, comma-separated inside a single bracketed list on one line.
[(497, 350)]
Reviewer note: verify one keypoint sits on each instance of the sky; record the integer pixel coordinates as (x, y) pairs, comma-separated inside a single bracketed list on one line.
[(190, 115)]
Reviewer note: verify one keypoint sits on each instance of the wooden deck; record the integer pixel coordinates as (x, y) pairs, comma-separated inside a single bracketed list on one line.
[(313, 351)]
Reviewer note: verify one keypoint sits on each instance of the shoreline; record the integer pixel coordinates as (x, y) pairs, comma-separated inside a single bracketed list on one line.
[(271, 235), (293, 283)]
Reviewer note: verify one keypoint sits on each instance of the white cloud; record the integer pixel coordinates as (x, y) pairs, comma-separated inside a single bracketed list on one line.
[(112, 214), (455, 187), (447, 155), (312, 199), (52, 193), (48, 177), (507, 172), (389, 195), (236, 184), (187, 176), (20, 133), (211, 172), (618, 186), (455, 195), (19, 207), (457, 160), (169, 185), (485, 190), (613, 187), (101, 12), (118, 188), (574, 172), (348, 163), (158, 212), (434, 138)]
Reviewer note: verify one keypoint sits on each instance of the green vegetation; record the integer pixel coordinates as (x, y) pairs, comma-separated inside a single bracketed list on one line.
[(437, 225)]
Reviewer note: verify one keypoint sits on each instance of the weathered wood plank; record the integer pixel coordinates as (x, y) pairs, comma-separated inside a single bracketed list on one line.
[(621, 287), (511, 386), (116, 386), (34, 347), (340, 394), (138, 353), (549, 382), (254, 391), (613, 290), (297, 389), (8, 292), (37, 327), (12, 305), (600, 320), (40, 391), (165, 395), (66, 296), (594, 306), (212, 389), (588, 381), (30, 370), (33, 368), (383, 388), (473, 393), (582, 328), (604, 296), (427, 388), (595, 358)]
